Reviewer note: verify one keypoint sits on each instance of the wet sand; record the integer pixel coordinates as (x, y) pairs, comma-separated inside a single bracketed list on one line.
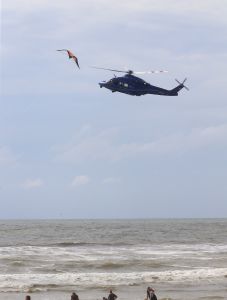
[(167, 292)]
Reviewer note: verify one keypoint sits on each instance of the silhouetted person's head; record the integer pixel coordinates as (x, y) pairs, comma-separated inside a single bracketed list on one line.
[(27, 298)]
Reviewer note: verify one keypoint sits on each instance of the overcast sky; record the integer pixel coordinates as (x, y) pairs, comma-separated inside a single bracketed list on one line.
[(69, 149)]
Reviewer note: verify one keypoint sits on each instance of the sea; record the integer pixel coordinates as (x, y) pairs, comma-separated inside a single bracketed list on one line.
[(180, 259)]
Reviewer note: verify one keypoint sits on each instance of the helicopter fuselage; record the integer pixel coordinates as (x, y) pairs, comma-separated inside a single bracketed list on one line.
[(133, 85)]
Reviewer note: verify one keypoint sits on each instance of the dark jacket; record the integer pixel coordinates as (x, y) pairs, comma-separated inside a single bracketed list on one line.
[(74, 296), (112, 296), (153, 297)]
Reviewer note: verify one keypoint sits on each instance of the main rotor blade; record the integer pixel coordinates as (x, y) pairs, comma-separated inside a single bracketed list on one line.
[(110, 69), (132, 72), (151, 72)]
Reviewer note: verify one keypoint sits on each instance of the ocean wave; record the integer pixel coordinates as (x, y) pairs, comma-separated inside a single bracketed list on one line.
[(212, 297), (145, 249), (45, 282), (95, 250), (87, 244), (125, 264), (37, 259)]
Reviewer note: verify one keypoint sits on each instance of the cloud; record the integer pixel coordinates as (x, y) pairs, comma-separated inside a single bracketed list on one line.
[(209, 8), (104, 145), (80, 180), (46, 26), (6, 156), (111, 180), (87, 146), (59, 20), (29, 184)]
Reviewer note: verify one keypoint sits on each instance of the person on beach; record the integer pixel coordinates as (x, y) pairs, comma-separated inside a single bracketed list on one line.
[(151, 294), (112, 296), (74, 296), (27, 298)]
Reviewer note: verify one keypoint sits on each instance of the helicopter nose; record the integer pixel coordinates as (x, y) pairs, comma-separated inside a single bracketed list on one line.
[(101, 84)]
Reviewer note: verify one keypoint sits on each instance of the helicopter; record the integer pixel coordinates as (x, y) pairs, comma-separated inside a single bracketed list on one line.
[(135, 86)]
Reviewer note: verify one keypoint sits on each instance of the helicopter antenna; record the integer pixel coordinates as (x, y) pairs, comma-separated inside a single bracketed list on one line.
[(130, 72)]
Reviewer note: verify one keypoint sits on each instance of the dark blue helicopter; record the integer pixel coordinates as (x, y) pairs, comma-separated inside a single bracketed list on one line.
[(135, 86)]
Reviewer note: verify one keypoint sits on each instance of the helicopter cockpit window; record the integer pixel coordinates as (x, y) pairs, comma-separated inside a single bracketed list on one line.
[(112, 81), (125, 85)]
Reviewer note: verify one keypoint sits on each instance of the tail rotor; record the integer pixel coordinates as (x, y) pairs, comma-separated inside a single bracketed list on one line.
[(182, 83)]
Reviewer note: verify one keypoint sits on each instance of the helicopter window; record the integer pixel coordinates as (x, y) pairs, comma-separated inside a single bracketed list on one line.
[(125, 85)]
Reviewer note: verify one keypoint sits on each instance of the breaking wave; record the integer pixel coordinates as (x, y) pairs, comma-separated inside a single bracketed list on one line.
[(46, 282)]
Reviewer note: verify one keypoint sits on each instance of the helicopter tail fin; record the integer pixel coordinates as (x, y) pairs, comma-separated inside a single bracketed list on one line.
[(179, 87)]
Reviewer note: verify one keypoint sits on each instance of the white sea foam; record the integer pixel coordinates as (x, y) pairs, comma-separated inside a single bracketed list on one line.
[(96, 251), (40, 256), (54, 259), (35, 282)]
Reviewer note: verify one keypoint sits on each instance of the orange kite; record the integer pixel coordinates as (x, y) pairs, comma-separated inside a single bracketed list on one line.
[(71, 55)]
